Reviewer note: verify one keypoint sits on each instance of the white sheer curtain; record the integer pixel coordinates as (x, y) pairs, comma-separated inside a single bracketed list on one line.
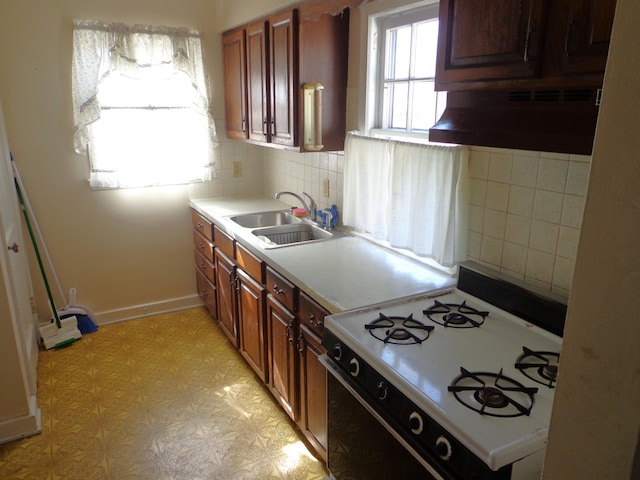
[(100, 51), (407, 194)]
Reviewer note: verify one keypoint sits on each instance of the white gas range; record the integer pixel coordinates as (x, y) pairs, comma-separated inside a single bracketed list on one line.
[(462, 384)]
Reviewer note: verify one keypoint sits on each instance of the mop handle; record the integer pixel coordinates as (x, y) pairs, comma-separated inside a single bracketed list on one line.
[(35, 247), (36, 228)]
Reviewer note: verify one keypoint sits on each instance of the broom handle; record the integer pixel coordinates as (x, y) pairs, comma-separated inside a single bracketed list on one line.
[(35, 247), (45, 251)]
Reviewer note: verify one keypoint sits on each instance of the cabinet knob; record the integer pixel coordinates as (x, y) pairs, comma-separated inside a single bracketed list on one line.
[(15, 248)]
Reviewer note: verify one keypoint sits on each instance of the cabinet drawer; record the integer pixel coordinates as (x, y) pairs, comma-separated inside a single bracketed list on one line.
[(311, 314), (204, 266), (224, 242), (202, 225), (203, 245), (282, 289), (206, 292), (251, 264)]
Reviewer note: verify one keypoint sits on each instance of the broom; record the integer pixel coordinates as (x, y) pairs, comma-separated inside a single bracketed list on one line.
[(86, 319), (62, 332)]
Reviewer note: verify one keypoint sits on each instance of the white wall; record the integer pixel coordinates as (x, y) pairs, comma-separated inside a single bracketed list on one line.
[(120, 249)]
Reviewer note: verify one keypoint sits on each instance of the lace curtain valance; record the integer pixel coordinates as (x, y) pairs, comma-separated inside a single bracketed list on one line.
[(101, 49)]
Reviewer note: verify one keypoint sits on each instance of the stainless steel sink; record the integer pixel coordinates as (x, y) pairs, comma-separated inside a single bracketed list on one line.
[(284, 235), (265, 219)]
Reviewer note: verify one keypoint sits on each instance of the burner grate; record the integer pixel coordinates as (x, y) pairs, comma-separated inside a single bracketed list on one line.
[(455, 315), (399, 330), (492, 394), (541, 367)]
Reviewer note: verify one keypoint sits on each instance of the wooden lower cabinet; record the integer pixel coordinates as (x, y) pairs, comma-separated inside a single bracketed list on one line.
[(283, 365), (313, 390), (207, 292), (275, 327), (251, 319), (225, 271)]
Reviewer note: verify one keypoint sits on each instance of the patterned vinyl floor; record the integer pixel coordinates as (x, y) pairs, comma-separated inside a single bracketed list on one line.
[(158, 398)]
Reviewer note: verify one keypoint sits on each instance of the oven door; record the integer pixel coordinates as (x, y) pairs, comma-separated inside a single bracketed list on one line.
[(361, 444)]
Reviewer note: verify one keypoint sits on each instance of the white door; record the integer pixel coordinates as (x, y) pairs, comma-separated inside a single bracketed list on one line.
[(18, 327)]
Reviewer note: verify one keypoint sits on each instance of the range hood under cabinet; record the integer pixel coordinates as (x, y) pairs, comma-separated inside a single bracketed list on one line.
[(522, 74)]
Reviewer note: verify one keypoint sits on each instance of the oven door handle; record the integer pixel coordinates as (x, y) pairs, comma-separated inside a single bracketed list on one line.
[(344, 380)]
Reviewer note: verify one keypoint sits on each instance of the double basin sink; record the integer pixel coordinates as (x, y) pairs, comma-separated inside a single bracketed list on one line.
[(281, 229)]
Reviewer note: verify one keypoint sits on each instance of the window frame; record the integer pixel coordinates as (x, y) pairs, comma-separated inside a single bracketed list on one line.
[(372, 82)]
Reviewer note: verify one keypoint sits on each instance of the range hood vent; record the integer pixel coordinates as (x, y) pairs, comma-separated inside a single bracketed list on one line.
[(543, 120)]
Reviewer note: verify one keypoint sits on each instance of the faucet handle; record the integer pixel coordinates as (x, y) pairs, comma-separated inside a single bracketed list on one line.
[(312, 207)]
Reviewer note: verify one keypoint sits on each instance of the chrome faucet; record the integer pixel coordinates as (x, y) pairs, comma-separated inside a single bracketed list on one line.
[(311, 208)]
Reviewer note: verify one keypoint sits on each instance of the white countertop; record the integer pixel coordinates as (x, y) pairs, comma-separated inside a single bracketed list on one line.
[(342, 273)]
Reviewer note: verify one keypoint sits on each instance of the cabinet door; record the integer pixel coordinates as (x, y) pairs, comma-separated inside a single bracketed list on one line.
[(489, 40), (257, 82), (225, 272), (207, 292), (282, 356), (251, 315), (283, 78), (313, 390), (235, 86), (587, 34)]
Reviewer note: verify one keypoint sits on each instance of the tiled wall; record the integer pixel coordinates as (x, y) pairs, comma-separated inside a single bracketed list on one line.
[(526, 213), (525, 207), (226, 184), (295, 172)]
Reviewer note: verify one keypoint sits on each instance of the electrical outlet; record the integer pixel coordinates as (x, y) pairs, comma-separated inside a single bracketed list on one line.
[(325, 187), (237, 169)]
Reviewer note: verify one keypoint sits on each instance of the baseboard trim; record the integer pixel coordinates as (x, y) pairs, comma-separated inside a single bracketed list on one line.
[(23, 426), (147, 309)]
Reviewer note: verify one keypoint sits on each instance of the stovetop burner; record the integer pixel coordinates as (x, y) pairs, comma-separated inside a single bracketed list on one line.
[(492, 394), (399, 330), (455, 315), (541, 367)]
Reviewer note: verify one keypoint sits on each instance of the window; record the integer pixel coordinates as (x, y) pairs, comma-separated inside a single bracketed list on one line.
[(403, 54), (141, 105)]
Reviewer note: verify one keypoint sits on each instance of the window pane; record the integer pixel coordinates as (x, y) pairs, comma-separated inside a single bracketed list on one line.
[(398, 102), (398, 53), (424, 105), (426, 43)]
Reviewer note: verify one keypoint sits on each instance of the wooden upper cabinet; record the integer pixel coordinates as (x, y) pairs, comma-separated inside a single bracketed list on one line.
[(283, 52), (587, 31), (531, 44), (282, 126), (257, 81), (235, 86), (488, 40)]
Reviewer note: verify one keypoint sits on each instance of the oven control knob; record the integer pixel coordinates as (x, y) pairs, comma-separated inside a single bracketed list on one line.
[(337, 351), (443, 448), (382, 391), (416, 424), (354, 367)]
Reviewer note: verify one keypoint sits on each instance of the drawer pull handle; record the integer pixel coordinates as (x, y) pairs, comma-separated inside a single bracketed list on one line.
[(277, 290)]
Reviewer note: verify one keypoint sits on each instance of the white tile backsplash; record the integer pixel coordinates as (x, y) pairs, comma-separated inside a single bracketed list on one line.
[(537, 239), (552, 174), (548, 206)]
